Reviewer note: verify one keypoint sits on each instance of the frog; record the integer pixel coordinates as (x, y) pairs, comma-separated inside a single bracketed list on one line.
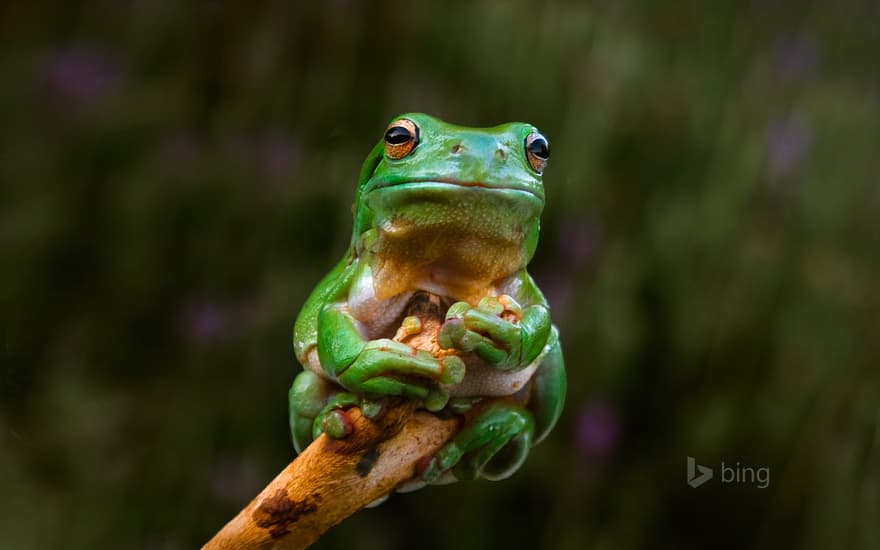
[(446, 219)]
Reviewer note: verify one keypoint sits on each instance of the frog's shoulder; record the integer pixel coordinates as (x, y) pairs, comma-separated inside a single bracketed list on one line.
[(522, 287), (331, 287)]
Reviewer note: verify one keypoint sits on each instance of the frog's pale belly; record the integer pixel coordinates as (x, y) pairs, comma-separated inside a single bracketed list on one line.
[(483, 380)]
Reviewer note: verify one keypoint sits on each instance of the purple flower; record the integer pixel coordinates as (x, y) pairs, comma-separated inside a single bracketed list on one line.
[(204, 322), (577, 245), (579, 240), (81, 75), (597, 429), (558, 289), (788, 142), (796, 58), (278, 156)]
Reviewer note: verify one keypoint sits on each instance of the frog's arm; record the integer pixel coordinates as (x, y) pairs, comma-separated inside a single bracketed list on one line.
[(369, 368), (535, 322), (305, 331), (541, 339), (376, 368), (549, 381), (501, 343)]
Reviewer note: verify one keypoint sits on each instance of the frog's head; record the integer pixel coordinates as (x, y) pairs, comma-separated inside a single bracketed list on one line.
[(456, 205)]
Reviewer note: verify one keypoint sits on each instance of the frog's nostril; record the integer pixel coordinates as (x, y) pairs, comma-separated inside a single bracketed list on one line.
[(500, 154), (457, 148)]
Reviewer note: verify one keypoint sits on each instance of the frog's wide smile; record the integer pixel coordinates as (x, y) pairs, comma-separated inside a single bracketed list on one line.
[(453, 182)]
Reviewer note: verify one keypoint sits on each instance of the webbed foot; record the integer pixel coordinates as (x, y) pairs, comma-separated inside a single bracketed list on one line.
[(493, 445)]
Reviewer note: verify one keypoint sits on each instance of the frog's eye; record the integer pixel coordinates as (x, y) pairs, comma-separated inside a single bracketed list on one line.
[(401, 138), (537, 151)]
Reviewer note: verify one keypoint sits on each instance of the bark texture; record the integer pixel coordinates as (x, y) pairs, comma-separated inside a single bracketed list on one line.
[(333, 479)]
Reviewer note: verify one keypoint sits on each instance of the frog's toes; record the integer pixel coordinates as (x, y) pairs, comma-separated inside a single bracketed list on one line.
[(452, 333), (371, 408), (436, 400), (491, 305), (500, 463), (336, 424), (442, 462), (493, 446), (453, 370), (333, 418), (378, 501), (411, 485), (510, 306)]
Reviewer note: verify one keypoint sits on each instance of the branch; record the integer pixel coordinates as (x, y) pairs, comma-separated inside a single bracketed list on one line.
[(333, 479)]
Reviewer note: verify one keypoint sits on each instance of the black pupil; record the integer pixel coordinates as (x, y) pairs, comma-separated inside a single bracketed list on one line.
[(397, 135), (540, 148)]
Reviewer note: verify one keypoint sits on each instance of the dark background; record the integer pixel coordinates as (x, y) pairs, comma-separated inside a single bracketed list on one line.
[(175, 180)]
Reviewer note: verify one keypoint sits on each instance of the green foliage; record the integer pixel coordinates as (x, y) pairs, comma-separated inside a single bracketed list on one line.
[(177, 178)]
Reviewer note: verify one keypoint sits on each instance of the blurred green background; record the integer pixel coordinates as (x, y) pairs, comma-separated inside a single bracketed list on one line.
[(177, 178)]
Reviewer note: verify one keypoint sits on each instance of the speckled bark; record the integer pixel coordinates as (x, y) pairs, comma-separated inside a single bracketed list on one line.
[(333, 479)]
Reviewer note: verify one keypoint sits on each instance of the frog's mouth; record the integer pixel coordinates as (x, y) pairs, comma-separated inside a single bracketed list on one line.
[(453, 182)]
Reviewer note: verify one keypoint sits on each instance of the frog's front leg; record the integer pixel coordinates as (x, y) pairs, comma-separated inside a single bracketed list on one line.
[(381, 367), (490, 332), (373, 369)]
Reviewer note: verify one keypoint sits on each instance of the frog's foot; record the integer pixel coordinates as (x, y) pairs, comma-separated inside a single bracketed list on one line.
[(386, 367), (491, 330), (307, 397), (493, 445), (378, 501)]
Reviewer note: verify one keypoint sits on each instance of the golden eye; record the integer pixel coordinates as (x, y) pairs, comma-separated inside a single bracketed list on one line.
[(401, 138), (537, 151)]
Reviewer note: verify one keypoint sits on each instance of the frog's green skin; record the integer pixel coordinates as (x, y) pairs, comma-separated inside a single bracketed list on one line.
[(458, 217)]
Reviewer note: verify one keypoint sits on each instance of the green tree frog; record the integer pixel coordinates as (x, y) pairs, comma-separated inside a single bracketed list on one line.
[(446, 218)]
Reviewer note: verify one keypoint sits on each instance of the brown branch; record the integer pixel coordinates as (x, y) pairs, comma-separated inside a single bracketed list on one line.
[(333, 479)]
